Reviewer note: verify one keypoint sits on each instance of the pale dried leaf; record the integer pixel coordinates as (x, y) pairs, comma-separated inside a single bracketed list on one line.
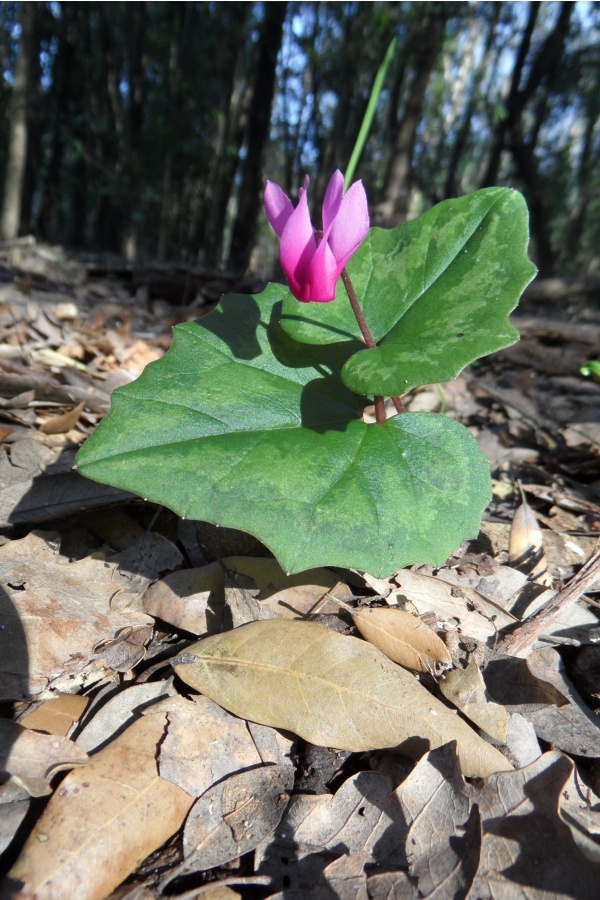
[(392, 886), (33, 759), (116, 714), (521, 741), (330, 689), (403, 638), (103, 821), (525, 543), (233, 816), (462, 608), (55, 613), (125, 650), (572, 727), (190, 599), (204, 743), (290, 596), (465, 688), (436, 811), (525, 845), (62, 423), (363, 818)]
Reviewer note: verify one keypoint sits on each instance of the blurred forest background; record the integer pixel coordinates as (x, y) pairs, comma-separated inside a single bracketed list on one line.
[(147, 129)]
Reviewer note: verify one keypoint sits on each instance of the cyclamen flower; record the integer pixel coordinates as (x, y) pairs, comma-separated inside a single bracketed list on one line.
[(313, 260)]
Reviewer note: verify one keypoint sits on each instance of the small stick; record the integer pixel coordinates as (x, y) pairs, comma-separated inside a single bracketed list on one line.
[(521, 640)]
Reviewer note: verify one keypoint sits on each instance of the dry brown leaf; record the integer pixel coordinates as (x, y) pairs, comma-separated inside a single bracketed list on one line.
[(55, 613), (204, 743), (233, 816), (33, 759), (62, 423), (113, 716), (332, 690), (185, 598), (404, 639), (362, 821), (465, 688), (103, 821), (57, 715), (475, 615), (502, 839)]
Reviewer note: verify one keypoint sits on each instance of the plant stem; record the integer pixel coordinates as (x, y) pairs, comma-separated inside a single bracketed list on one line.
[(362, 322), (368, 339)]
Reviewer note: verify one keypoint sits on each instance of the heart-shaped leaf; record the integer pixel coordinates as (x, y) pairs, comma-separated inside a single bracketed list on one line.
[(241, 426), (436, 293), (332, 690)]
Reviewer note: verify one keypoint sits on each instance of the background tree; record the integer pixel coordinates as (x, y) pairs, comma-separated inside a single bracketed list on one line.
[(150, 127)]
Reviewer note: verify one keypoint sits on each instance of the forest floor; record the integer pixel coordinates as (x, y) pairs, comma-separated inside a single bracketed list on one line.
[(167, 794)]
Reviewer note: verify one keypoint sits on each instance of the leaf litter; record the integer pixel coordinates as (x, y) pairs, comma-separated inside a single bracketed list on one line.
[(96, 607)]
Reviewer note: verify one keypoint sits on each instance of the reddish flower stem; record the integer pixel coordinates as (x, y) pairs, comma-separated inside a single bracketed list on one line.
[(368, 339), (362, 322)]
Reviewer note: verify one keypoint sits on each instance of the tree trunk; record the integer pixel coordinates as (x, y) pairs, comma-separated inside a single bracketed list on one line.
[(249, 200), (17, 139), (452, 187), (135, 122), (396, 194)]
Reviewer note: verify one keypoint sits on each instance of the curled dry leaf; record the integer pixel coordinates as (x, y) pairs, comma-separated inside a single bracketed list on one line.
[(404, 639), (466, 689), (330, 689), (525, 542), (32, 759), (103, 821)]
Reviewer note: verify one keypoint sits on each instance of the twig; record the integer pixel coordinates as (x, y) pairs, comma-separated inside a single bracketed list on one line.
[(520, 641)]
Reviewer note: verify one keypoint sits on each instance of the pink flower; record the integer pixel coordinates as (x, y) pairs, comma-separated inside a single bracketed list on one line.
[(312, 260)]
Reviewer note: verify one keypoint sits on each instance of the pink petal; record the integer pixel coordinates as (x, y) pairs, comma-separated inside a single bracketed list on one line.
[(322, 276), (333, 198), (297, 244), (278, 207), (351, 224)]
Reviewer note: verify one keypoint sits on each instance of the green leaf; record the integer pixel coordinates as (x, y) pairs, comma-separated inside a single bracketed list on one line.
[(436, 293), (241, 426)]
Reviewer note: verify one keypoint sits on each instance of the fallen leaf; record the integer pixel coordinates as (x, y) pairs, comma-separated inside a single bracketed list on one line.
[(330, 689), (39, 483), (503, 838), (233, 817), (103, 821), (54, 614), (190, 599), (290, 596), (403, 638), (525, 845), (465, 688), (475, 615), (57, 715), (363, 818), (64, 422), (125, 650), (442, 843), (203, 744), (33, 759), (525, 543), (14, 805), (539, 690), (114, 715)]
